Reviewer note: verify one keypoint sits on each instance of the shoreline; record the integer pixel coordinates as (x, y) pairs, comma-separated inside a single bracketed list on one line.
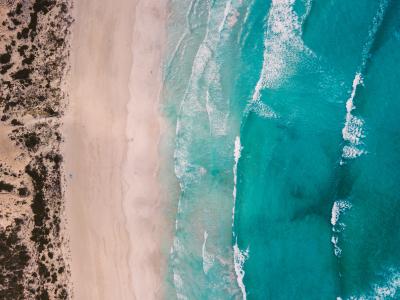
[(144, 206), (112, 193)]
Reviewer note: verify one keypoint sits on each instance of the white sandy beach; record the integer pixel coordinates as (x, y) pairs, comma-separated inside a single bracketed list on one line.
[(114, 208)]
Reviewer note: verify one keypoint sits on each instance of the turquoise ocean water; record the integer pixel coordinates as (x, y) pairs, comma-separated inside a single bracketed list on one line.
[(285, 141)]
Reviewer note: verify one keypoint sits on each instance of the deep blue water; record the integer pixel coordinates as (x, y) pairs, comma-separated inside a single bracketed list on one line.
[(285, 139)]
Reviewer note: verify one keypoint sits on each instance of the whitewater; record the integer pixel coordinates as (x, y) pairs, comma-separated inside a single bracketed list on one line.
[(282, 137)]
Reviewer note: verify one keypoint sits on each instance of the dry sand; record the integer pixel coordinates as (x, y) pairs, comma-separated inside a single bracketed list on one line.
[(112, 129)]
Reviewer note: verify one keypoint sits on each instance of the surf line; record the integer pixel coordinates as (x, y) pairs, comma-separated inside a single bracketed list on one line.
[(353, 131), (239, 256)]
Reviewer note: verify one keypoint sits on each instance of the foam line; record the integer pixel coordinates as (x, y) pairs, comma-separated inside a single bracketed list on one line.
[(240, 258), (352, 131), (236, 154), (282, 47)]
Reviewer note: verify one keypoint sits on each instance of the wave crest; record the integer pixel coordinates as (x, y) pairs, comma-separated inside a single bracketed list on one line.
[(240, 258)]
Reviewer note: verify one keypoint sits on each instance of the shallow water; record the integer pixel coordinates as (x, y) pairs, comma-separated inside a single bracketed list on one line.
[(285, 148)]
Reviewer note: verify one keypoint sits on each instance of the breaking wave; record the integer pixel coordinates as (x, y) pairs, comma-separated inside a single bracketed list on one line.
[(282, 48), (240, 258), (339, 207), (353, 128)]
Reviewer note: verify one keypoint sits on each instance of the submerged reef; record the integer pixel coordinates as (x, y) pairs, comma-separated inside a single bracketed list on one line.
[(34, 51)]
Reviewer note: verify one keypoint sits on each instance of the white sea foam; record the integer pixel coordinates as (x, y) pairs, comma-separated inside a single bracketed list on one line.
[(350, 152), (282, 48), (178, 282), (336, 249), (339, 207), (262, 110), (353, 128), (186, 172), (282, 32), (376, 23), (356, 81), (208, 259), (204, 92), (186, 33), (239, 258), (203, 98), (190, 107), (236, 154), (216, 104), (308, 6), (177, 245), (282, 44), (176, 251), (389, 289), (227, 11), (382, 291), (238, 150), (244, 37), (352, 131)]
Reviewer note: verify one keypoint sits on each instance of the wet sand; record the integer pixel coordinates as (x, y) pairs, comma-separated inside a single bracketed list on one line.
[(112, 129)]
